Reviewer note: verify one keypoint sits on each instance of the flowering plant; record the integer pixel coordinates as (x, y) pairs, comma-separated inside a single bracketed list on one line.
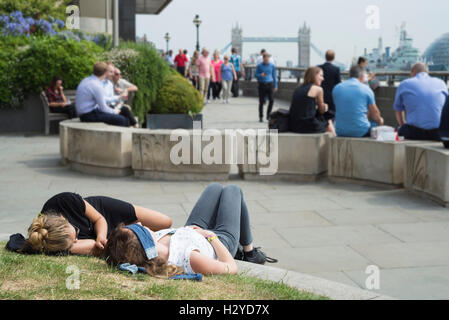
[(16, 24)]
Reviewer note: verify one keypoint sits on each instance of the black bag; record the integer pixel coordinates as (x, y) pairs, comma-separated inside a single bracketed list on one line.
[(279, 120)]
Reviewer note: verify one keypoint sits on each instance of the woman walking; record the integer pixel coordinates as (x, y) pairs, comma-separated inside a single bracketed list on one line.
[(216, 84), (193, 71), (227, 75)]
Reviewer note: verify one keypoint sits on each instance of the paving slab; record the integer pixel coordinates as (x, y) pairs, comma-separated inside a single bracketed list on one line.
[(335, 235), (418, 232)]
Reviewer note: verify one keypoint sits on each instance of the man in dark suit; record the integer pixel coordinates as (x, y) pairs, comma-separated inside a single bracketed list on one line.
[(332, 77)]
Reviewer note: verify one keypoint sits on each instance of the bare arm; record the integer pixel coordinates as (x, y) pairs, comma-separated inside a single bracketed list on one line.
[(203, 264), (83, 247), (100, 225), (374, 114), (400, 117), (322, 107)]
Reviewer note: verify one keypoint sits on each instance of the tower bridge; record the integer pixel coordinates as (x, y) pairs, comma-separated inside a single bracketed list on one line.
[(303, 40)]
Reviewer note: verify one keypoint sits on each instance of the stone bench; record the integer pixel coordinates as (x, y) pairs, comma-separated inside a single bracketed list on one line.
[(301, 157), (367, 161), (427, 171), (153, 153), (96, 148)]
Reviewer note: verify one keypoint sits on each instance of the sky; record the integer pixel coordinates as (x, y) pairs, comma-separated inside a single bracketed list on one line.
[(342, 25)]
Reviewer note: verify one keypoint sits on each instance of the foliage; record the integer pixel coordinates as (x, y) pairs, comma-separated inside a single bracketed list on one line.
[(101, 39), (16, 24), (177, 95), (33, 67), (147, 71), (45, 9)]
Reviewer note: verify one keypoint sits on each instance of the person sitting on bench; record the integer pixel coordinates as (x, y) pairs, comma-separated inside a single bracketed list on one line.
[(57, 101), (418, 105)]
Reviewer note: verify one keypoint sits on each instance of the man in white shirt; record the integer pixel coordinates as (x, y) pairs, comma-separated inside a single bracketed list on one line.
[(259, 59)]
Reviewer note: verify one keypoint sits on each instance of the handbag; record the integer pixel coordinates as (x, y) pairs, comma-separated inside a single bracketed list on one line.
[(279, 120)]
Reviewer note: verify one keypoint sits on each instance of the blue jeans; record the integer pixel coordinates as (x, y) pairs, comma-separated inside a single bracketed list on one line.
[(223, 210), (108, 118)]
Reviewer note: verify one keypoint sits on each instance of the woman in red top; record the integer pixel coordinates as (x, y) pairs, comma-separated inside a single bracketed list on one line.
[(216, 85), (57, 101)]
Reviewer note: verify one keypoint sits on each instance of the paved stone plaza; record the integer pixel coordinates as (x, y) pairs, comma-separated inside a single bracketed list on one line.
[(333, 231)]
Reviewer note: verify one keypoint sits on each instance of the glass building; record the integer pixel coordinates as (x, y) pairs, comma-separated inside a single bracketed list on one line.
[(437, 55)]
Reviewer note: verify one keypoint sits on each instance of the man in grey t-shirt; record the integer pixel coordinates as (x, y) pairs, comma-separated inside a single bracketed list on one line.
[(121, 85)]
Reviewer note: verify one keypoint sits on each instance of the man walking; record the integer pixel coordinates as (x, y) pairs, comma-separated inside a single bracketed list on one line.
[(236, 60), (268, 84), (180, 62), (332, 77)]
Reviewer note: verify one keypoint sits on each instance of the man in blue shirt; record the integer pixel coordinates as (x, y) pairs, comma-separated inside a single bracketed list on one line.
[(90, 101), (355, 106), (268, 84), (418, 105), (236, 60)]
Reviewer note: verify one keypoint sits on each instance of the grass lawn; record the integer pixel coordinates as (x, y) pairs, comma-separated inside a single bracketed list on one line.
[(43, 277)]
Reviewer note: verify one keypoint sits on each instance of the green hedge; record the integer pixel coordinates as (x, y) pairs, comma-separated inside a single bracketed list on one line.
[(31, 68), (177, 95), (147, 71)]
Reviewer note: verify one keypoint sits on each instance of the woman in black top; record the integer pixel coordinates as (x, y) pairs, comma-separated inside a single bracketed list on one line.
[(308, 108), (69, 222)]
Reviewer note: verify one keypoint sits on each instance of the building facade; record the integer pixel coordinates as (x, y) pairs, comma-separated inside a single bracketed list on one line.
[(95, 13)]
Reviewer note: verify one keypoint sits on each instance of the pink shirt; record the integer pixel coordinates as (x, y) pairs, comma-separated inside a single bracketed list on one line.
[(203, 64), (217, 66)]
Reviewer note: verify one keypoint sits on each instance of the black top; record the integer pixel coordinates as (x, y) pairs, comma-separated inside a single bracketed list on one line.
[(72, 207), (304, 116), (444, 125), (332, 77)]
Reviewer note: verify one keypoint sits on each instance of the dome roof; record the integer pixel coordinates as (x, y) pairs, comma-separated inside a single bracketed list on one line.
[(438, 51)]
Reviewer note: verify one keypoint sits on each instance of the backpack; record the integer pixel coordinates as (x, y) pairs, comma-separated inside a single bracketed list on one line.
[(279, 120)]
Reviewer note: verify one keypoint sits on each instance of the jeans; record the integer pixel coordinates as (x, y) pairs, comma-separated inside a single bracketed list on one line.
[(223, 210), (227, 85), (108, 118), (265, 90), (414, 133), (69, 109)]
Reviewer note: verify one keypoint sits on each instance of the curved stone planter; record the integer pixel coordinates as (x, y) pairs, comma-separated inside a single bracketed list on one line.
[(368, 161), (151, 158), (96, 148), (300, 157), (427, 171)]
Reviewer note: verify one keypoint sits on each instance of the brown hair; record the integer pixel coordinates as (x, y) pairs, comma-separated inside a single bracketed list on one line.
[(123, 246), (100, 69), (330, 55), (310, 75), (49, 233)]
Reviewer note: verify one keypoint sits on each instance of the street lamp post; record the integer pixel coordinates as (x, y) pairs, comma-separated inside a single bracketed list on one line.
[(197, 22), (167, 39)]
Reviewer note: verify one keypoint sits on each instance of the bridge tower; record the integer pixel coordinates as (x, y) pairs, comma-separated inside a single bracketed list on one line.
[(304, 36), (237, 39)]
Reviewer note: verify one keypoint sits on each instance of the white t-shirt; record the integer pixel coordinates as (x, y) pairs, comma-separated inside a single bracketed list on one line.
[(182, 243)]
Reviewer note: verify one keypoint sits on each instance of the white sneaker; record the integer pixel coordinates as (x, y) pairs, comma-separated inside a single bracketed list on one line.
[(208, 101)]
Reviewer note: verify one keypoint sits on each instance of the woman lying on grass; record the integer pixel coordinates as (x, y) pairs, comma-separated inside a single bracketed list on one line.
[(81, 226), (207, 244)]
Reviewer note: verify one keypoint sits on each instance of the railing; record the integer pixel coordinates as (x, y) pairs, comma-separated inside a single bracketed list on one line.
[(389, 76)]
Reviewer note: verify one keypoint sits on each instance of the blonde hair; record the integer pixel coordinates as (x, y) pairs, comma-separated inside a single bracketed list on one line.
[(49, 233)]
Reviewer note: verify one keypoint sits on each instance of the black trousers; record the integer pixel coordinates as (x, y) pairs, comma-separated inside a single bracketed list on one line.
[(181, 70), (414, 133), (235, 85), (69, 109), (128, 114), (266, 90)]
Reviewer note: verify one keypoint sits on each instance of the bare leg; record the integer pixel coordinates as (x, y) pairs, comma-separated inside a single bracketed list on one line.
[(152, 219), (330, 128)]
